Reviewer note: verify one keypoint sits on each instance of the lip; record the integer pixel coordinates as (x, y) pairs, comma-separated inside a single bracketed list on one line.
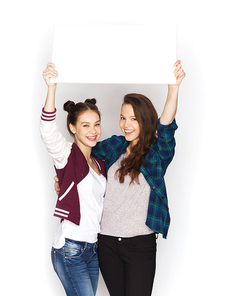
[(92, 138), (128, 132)]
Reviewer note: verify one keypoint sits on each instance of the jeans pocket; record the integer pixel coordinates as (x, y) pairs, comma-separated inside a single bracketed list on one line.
[(73, 249)]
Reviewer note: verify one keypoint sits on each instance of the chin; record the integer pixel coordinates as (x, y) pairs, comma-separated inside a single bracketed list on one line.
[(93, 144), (129, 139)]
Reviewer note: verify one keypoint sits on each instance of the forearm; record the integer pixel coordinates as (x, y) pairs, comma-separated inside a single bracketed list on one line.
[(170, 107), (49, 73), (55, 143), (50, 99)]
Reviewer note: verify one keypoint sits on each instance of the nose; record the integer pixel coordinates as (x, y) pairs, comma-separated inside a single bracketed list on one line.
[(127, 123), (93, 130)]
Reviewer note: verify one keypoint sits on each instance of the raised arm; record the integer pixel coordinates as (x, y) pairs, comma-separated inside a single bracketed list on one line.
[(48, 73), (54, 141), (170, 107)]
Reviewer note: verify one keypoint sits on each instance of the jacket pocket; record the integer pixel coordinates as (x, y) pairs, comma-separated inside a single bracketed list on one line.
[(66, 191)]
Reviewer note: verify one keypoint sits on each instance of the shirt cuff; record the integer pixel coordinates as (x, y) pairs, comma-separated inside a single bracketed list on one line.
[(48, 116), (172, 125)]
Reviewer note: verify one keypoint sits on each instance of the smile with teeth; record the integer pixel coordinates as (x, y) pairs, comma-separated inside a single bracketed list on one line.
[(128, 132), (92, 138)]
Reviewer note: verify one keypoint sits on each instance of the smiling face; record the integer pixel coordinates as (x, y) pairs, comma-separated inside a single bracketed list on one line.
[(129, 124), (87, 130)]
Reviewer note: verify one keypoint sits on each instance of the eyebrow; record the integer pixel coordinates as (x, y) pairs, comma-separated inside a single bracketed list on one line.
[(130, 116), (89, 122)]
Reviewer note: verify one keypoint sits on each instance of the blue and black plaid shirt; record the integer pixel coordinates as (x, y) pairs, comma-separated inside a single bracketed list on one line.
[(157, 160)]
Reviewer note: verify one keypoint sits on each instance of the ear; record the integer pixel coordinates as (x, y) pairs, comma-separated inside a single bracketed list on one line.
[(72, 128)]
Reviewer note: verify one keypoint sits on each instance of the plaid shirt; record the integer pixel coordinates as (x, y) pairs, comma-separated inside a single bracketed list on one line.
[(157, 160)]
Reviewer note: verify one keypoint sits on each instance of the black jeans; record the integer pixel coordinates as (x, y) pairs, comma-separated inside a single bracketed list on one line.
[(128, 264)]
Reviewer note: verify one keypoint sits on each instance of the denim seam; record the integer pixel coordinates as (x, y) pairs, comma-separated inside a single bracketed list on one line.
[(70, 276), (57, 250), (94, 253)]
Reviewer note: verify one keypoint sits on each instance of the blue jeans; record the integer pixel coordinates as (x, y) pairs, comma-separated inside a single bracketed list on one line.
[(77, 267)]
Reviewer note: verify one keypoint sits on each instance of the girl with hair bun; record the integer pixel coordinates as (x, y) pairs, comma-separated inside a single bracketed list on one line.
[(82, 179)]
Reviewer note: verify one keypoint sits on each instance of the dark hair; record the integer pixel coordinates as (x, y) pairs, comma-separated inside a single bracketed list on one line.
[(147, 117), (75, 110)]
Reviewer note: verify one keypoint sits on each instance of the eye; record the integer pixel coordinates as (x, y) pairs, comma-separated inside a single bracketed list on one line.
[(85, 125), (122, 118), (134, 119), (97, 124)]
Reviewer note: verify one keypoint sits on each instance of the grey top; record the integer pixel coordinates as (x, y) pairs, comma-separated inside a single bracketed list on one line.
[(125, 205)]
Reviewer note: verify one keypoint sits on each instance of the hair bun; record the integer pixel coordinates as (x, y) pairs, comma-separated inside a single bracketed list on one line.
[(68, 106), (91, 101)]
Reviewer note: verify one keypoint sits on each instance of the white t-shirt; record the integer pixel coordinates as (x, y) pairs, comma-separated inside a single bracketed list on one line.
[(91, 192)]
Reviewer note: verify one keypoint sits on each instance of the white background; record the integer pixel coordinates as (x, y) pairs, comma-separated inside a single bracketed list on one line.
[(194, 258)]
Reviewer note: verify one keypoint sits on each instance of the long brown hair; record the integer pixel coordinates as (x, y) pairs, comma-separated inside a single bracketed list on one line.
[(147, 117)]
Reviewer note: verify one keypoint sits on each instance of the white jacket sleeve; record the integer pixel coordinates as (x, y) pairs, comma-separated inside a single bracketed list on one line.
[(54, 141)]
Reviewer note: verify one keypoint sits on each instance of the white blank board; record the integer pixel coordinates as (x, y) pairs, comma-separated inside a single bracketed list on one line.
[(114, 54)]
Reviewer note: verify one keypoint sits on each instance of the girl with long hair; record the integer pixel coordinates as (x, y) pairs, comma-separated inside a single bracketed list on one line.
[(135, 205)]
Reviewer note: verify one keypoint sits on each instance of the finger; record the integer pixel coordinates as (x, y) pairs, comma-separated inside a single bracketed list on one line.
[(57, 189), (51, 65), (177, 63), (50, 69), (50, 73), (177, 70), (180, 78)]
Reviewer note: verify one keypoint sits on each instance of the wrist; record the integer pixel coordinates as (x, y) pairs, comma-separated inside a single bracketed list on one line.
[(52, 88), (173, 89), (173, 86), (50, 99)]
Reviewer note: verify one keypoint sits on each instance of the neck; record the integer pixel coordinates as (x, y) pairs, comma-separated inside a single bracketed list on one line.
[(129, 148), (85, 150)]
